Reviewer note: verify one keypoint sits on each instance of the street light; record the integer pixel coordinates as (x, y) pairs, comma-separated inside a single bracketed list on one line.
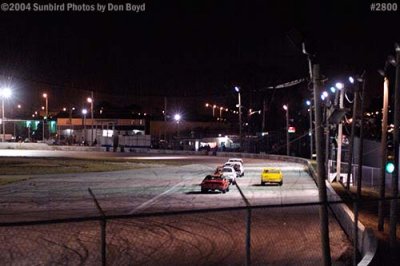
[(45, 96), (90, 100), (286, 108), (339, 86), (308, 102), (84, 112), (177, 118), (5, 93), (237, 89)]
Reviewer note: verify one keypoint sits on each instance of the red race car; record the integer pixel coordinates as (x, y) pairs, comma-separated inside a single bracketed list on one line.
[(214, 182)]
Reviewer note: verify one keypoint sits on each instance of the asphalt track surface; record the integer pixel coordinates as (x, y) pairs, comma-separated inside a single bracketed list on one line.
[(279, 236)]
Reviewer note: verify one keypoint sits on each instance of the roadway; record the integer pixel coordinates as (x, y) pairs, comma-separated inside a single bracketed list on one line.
[(163, 188)]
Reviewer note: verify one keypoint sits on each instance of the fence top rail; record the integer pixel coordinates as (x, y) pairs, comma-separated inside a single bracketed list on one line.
[(182, 212)]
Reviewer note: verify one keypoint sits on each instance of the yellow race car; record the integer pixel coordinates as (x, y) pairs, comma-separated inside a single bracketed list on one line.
[(271, 175)]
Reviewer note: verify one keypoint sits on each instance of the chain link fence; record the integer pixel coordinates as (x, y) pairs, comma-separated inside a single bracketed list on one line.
[(260, 235)]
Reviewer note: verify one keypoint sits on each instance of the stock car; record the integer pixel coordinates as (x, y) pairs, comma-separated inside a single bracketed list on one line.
[(239, 169), (235, 160), (271, 175), (213, 183), (229, 173)]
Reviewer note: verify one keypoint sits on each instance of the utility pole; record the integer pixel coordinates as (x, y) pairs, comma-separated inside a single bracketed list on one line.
[(323, 209), (165, 117), (311, 133), (339, 139), (286, 107), (263, 127), (91, 114), (383, 153), (327, 133), (395, 174), (359, 173), (353, 128)]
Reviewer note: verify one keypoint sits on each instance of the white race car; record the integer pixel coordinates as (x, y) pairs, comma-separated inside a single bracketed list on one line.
[(229, 173), (238, 167), (235, 160)]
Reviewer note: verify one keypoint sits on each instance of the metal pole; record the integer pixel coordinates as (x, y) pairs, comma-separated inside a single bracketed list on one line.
[(383, 154), (323, 208), (263, 117), (165, 118), (248, 237), (339, 140), (240, 120), (92, 115), (287, 132), (3, 120), (359, 175), (103, 223), (395, 174), (47, 113), (361, 148), (353, 128), (84, 128), (311, 133), (327, 133)]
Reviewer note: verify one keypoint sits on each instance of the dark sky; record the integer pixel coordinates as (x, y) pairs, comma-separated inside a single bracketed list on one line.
[(193, 48)]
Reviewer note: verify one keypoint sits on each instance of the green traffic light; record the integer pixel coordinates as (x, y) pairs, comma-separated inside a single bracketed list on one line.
[(389, 167)]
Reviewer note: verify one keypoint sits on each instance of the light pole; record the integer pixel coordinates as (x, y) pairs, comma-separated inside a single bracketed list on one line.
[(84, 112), (286, 108), (4, 93), (45, 96), (308, 102), (177, 118), (213, 108), (383, 152), (237, 89), (339, 86), (90, 100)]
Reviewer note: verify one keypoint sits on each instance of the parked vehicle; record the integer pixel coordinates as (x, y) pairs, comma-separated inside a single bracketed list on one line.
[(214, 182), (271, 175)]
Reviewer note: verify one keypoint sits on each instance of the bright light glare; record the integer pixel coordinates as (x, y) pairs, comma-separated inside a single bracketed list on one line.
[(322, 97), (308, 102), (5, 92), (285, 107), (237, 89), (44, 95), (89, 100), (333, 89), (84, 111), (177, 117), (351, 79), (325, 93), (339, 85)]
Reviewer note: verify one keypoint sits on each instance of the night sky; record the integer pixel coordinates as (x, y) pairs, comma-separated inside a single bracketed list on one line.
[(192, 49)]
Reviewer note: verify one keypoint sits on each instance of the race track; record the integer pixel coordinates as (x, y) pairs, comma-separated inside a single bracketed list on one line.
[(202, 239)]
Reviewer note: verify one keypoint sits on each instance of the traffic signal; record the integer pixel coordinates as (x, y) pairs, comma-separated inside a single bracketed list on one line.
[(389, 167), (390, 157)]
